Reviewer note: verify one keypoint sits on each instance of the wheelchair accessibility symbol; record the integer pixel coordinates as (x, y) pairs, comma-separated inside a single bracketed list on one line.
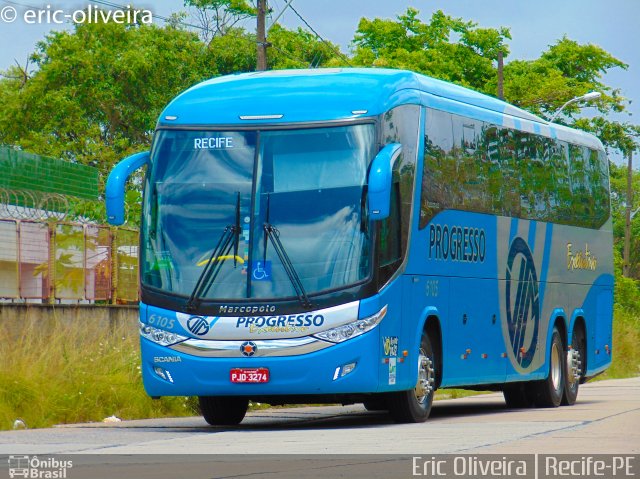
[(261, 271)]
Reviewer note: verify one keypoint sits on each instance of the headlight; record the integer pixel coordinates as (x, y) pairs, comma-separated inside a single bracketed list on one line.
[(351, 330), (160, 336)]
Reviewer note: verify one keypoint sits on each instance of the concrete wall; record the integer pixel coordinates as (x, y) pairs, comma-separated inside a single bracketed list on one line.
[(18, 318)]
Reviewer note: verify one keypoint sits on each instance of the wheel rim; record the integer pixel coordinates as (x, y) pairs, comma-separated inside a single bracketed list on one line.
[(574, 367), (556, 367), (426, 378)]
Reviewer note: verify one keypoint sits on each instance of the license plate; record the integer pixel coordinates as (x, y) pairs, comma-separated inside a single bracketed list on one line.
[(249, 375)]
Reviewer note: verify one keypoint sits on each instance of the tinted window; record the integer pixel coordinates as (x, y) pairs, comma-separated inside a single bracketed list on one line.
[(400, 125), (472, 165)]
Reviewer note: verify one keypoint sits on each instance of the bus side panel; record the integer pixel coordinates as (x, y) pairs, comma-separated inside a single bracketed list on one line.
[(393, 373), (455, 258), (474, 332), (598, 315), (427, 296), (529, 274)]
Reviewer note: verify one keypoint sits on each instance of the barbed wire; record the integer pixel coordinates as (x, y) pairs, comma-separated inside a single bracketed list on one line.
[(35, 205)]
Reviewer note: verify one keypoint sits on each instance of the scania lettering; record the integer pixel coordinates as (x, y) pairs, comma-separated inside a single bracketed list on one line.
[(367, 235)]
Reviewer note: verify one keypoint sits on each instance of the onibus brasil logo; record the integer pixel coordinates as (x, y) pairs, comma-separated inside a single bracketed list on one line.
[(523, 302), (41, 468)]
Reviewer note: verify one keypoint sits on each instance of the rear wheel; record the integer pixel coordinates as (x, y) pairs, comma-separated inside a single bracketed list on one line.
[(223, 410), (548, 392), (574, 367), (415, 405)]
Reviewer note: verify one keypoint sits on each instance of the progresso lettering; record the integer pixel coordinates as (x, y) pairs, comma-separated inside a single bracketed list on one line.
[(294, 320), (457, 243)]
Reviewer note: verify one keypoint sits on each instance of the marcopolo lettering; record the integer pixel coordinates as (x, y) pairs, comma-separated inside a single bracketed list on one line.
[(213, 143), (294, 320), (263, 308), (457, 243)]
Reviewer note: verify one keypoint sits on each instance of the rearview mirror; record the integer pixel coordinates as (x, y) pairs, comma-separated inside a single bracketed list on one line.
[(380, 178), (115, 185)]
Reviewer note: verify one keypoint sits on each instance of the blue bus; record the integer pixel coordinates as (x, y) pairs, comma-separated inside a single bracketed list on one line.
[(367, 236)]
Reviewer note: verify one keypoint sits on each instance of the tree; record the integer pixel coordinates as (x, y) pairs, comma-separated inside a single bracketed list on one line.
[(445, 47), (98, 90), (625, 138), (217, 18), (565, 71), (236, 51)]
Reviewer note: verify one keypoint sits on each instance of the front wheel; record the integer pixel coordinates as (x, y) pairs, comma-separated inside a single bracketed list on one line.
[(517, 395), (548, 392), (223, 410), (377, 402), (415, 405)]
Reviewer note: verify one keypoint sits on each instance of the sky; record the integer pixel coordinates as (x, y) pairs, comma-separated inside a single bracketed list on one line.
[(534, 25)]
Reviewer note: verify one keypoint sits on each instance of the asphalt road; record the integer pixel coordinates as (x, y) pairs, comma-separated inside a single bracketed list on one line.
[(606, 419), (346, 442)]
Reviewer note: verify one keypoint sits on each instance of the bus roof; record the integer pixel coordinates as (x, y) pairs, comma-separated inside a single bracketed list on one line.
[(305, 96)]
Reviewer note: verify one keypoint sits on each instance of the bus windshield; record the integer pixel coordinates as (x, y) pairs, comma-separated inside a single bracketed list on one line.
[(308, 185)]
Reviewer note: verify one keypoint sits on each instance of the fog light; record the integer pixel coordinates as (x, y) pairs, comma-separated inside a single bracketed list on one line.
[(163, 373), (342, 371), (347, 368)]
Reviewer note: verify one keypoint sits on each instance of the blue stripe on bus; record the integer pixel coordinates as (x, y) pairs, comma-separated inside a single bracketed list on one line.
[(514, 229), (532, 236), (546, 257)]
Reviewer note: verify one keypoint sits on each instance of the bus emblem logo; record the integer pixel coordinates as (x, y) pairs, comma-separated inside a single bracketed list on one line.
[(523, 302), (198, 325), (248, 348)]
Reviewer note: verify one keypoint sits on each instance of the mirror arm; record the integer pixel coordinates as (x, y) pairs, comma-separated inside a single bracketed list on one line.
[(116, 183)]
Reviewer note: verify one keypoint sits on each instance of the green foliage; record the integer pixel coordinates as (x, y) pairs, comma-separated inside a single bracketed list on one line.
[(445, 47), (300, 49), (218, 18), (236, 51), (98, 90), (626, 324), (564, 71), (618, 176), (65, 374)]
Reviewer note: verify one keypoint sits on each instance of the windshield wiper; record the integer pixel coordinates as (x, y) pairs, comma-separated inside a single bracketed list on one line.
[(272, 233), (230, 238)]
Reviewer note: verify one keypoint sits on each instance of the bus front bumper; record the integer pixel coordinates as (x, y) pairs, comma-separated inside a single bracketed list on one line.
[(167, 372)]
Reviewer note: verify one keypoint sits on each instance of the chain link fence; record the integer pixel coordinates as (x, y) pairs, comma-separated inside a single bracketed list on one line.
[(67, 262)]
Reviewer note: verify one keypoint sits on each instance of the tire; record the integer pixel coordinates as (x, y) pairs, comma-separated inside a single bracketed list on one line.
[(574, 371), (517, 395), (549, 391), (376, 403), (224, 410), (414, 405)]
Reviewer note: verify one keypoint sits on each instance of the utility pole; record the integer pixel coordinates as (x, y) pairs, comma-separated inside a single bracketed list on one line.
[(626, 260), (261, 36), (500, 75)]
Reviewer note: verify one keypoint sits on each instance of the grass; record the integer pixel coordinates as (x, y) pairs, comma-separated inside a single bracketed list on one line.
[(66, 374), (626, 338)]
